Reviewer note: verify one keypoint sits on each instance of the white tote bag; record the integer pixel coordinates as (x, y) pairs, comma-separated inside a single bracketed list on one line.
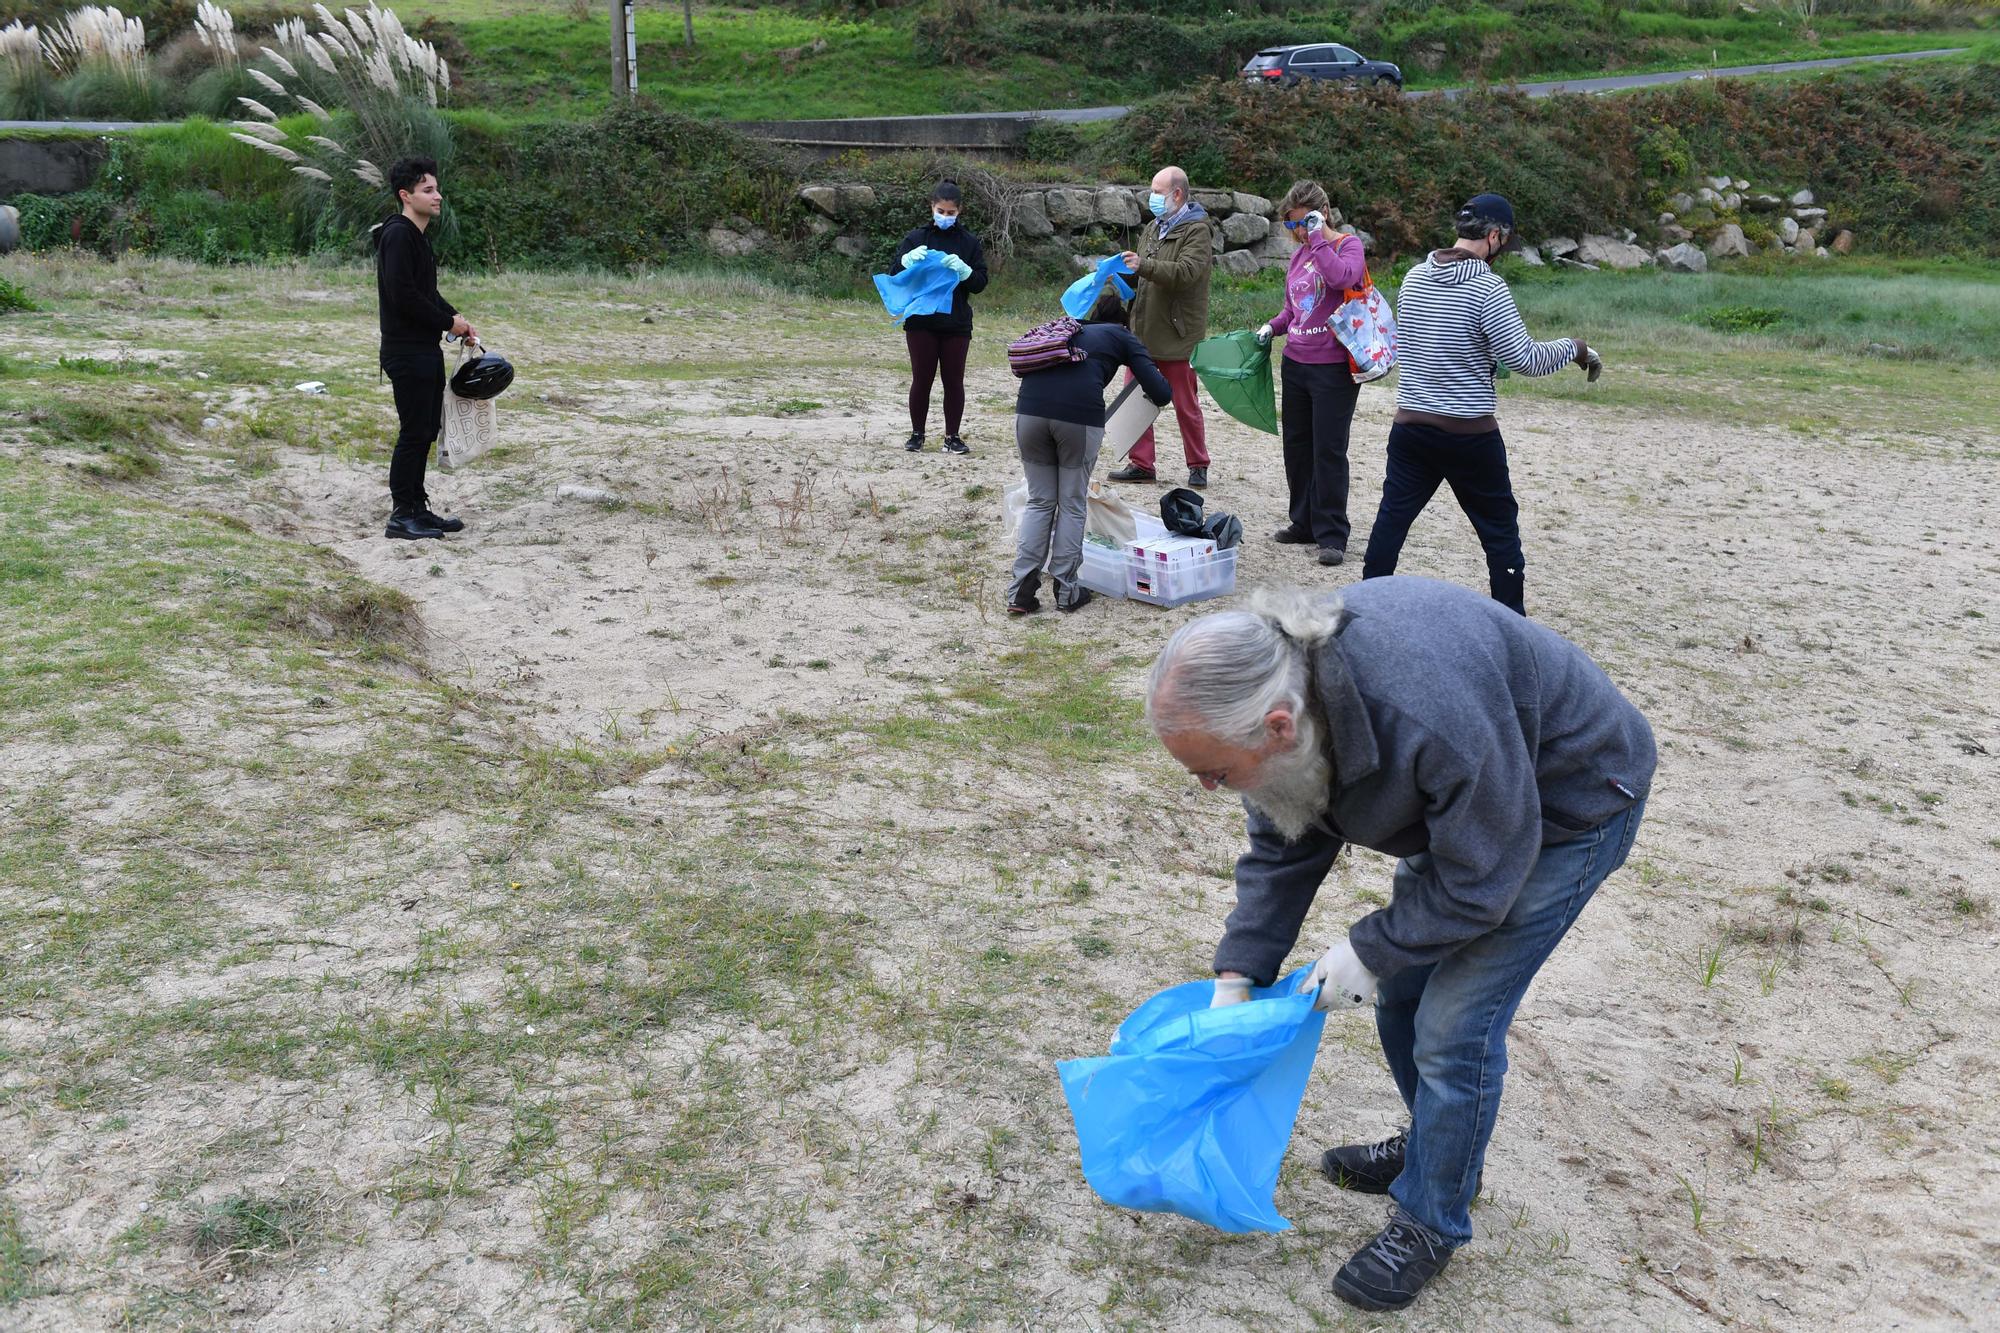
[(471, 426)]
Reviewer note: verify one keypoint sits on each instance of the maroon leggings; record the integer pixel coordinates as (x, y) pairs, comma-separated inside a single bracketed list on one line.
[(929, 354)]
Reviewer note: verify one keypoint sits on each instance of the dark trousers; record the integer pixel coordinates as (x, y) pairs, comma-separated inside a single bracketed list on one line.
[(1319, 408), (1475, 466), (931, 355), (417, 378)]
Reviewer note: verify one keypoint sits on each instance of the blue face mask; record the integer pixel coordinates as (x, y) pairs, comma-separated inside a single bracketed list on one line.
[(943, 221), (1158, 203)]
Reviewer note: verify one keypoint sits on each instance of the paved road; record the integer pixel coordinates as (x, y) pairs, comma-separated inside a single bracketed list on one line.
[(1606, 85)]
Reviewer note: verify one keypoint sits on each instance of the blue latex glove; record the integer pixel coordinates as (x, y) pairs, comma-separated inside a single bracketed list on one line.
[(958, 266), (915, 256)]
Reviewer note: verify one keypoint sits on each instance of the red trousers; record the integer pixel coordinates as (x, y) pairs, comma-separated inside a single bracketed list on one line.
[(1187, 410)]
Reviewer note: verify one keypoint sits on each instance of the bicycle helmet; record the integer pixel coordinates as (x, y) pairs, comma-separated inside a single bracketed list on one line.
[(484, 376)]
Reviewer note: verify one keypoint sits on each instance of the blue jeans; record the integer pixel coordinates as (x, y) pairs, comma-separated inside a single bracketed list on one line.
[(1444, 1026)]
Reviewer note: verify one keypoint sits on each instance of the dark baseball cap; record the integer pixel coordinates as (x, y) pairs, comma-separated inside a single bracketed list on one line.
[(1492, 210)]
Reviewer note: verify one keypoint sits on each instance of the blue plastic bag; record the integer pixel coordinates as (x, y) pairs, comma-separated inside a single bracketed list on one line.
[(924, 288), (1081, 298), (1192, 1111)]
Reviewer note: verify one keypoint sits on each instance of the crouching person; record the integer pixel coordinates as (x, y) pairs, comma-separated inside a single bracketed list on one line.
[(1492, 755), (1058, 425)]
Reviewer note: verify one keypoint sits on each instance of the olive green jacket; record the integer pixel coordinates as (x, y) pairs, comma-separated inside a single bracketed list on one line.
[(1170, 308)]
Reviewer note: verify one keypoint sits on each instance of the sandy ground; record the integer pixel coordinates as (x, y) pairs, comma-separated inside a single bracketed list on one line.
[(1754, 1088)]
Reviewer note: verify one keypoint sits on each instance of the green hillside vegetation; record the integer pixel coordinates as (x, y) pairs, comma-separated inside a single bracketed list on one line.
[(826, 58)]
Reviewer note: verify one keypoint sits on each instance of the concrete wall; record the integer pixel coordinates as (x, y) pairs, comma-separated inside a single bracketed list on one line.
[(49, 166)]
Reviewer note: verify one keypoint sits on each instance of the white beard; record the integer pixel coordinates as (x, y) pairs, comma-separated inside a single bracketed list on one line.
[(1294, 789)]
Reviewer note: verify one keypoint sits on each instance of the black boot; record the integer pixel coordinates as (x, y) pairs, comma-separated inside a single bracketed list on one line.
[(1133, 472), (1508, 587), (1366, 1168), (442, 522), (1389, 1271), (410, 524)]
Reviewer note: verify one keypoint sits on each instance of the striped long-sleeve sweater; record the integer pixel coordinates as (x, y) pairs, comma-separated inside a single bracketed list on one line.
[(1454, 319)]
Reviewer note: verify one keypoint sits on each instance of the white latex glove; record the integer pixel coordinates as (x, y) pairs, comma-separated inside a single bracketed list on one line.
[(1315, 222), (1342, 980), (1264, 336), (1230, 990), (910, 259), (958, 266)]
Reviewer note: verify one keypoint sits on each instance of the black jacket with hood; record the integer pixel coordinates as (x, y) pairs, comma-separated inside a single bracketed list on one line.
[(414, 316), (952, 240)]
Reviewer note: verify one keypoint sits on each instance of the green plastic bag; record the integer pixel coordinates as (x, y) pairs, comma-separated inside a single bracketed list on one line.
[(1236, 371)]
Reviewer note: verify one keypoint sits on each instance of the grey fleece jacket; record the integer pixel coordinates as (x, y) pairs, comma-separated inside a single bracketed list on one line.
[(1455, 727)]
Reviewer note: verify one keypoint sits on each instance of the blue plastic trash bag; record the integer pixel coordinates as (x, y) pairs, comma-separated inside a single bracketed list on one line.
[(1081, 298), (1192, 1111), (924, 288)]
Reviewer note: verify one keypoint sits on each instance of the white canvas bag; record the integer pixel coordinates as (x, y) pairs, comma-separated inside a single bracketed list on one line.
[(471, 425)]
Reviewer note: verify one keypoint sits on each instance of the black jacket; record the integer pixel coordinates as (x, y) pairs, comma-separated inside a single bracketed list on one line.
[(953, 240), (1075, 393), (414, 316)]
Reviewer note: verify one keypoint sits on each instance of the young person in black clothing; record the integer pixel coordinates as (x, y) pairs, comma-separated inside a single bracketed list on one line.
[(939, 343), (413, 317), (1058, 425)]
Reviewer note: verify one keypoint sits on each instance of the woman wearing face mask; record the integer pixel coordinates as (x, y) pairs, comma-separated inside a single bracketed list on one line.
[(1317, 375), (939, 343)]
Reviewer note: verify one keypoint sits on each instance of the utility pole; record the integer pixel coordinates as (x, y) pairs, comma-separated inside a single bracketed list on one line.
[(624, 51), (687, 17)]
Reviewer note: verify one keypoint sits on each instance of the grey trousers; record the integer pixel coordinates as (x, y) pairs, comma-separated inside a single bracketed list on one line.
[(1058, 457)]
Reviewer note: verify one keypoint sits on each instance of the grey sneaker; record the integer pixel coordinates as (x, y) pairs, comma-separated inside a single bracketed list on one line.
[(1389, 1271)]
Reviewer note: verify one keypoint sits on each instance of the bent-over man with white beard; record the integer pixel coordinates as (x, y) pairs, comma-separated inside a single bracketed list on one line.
[(1489, 753)]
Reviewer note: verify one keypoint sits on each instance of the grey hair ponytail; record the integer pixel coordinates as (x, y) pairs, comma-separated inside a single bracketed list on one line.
[(1222, 674)]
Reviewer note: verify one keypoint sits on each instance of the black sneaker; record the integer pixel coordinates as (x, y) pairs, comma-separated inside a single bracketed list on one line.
[(1198, 478), (1389, 1271), (410, 526), (1077, 603), (1331, 555), (954, 445), (1291, 536), (915, 444), (1024, 606), (1366, 1168), (443, 522), (1132, 472)]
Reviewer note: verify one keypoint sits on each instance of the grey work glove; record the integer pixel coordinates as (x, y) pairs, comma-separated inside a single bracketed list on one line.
[(1593, 365), (1230, 990), (1264, 336), (1343, 980)]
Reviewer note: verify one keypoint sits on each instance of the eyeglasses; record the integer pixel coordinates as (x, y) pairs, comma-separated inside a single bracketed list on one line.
[(1294, 226)]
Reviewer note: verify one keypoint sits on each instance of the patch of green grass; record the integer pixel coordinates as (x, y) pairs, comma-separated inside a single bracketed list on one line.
[(1739, 318), (18, 1259), (241, 1231), (13, 297)]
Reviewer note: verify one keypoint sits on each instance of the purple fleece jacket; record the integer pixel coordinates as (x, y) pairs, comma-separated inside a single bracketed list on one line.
[(1320, 271)]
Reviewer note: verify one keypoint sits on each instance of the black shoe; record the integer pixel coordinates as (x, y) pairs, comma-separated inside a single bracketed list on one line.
[(1389, 1271), (1198, 478), (1291, 536), (1024, 606), (1331, 555), (1366, 1168), (1081, 600), (1132, 472), (915, 444), (411, 526), (443, 522), (954, 445)]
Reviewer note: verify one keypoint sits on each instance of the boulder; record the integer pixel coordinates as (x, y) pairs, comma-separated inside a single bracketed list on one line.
[(819, 226), (854, 247), (1216, 244), (1739, 185), (1843, 240), (1667, 219), (1764, 203), (856, 199), (1808, 216), (1610, 252), (1084, 263), (1252, 203), (1788, 230), (1238, 263), (1732, 201), (1803, 199), (1682, 202), (1674, 234), (1273, 252), (1367, 239), (1707, 196), (10, 229), (1116, 206), (1221, 203), (1031, 216), (822, 199), (1559, 247), (1683, 258), (1069, 209), (1729, 243), (1241, 229), (1628, 236), (727, 244), (1531, 256), (1717, 183)]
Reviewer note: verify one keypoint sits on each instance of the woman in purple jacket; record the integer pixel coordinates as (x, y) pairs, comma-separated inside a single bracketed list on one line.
[(1317, 375)]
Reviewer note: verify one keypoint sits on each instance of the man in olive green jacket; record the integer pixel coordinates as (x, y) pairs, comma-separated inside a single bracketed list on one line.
[(1170, 313)]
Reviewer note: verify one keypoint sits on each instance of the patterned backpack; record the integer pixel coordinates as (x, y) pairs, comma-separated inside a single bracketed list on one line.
[(1045, 345)]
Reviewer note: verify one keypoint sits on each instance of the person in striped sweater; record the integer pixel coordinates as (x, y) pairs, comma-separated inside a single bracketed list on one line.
[(1455, 319)]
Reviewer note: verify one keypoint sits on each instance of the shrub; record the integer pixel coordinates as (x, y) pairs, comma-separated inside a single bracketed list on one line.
[(13, 298), (1740, 318)]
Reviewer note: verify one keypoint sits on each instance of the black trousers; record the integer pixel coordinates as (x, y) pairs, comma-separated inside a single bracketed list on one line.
[(1475, 466), (417, 379), (1319, 408)]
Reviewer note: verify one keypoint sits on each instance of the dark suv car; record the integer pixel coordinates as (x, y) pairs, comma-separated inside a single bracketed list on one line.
[(1289, 66)]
